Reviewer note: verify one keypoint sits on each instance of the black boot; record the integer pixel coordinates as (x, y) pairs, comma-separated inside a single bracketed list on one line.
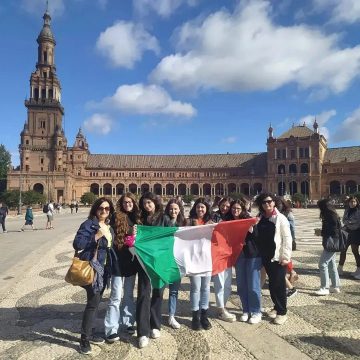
[(293, 245), (205, 323), (85, 347), (195, 322)]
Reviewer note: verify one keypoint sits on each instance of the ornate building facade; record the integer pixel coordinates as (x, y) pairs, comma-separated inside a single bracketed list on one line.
[(297, 161)]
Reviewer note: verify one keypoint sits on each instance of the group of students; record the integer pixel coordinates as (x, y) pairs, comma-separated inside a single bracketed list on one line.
[(109, 233)]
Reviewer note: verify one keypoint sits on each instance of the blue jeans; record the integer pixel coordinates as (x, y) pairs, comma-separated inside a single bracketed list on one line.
[(173, 296), (248, 283), (222, 287), (112, 316), (199, 292), (327, 267)]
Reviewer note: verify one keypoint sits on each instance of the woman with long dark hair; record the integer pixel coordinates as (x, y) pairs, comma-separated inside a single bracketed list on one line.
[(275, 244), (222, 280), (248, 267), (327, 262), (95, 236), (152, 214), (351, 220), (200, 285), (174, 211), (124, 269)]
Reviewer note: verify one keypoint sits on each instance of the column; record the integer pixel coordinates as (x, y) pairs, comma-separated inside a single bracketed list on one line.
[(31, 92), (39, 91), (47, 92)]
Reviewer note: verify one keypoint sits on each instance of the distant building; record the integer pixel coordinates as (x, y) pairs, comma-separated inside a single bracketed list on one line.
[(296, 161)]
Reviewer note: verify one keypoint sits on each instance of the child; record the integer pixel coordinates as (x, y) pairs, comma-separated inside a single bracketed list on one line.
[(29, 217)]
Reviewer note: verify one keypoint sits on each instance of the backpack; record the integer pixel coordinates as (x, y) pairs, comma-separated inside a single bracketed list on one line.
[(45, 208)]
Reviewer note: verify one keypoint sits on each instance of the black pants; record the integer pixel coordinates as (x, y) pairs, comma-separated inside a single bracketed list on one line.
[(277, 286), (148, 307), (2, 221), (90, 312)]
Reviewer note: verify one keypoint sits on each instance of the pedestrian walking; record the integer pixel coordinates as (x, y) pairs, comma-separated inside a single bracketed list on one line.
[(4, 211), (29, 218), (76, 207), (351, 221), (327, 262), (49, 214)]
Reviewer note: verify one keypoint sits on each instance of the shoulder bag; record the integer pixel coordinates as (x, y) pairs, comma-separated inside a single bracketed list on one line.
[(337, 243), (81, 273)]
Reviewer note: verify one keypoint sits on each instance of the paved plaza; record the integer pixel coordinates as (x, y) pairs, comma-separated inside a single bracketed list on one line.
[(40, 314)]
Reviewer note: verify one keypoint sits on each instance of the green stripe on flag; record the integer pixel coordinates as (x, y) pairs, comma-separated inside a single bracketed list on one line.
[(154, 246)]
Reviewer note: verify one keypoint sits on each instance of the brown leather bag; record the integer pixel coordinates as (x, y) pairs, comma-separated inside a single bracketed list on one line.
[(81, 273)]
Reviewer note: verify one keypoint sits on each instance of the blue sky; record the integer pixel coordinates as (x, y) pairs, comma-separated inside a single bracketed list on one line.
[(188, 76)]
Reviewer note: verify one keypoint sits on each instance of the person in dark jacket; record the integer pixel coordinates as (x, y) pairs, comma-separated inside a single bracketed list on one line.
[(351, 220), (124, 269), (4, 211), (93, 241), (247, 269), (327, 262), (151, 215)]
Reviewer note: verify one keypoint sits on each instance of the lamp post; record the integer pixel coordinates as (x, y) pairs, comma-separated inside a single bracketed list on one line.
[(20, 186), (282, 181)]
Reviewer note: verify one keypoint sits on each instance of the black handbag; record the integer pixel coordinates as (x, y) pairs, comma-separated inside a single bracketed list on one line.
[(339, 242)]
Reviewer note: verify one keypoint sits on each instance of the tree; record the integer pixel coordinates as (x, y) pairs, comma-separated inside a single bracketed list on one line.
[(5, 163), (298, 198), (237, 196), (88, 198), (188, 198), (11, 198), (32, 197)]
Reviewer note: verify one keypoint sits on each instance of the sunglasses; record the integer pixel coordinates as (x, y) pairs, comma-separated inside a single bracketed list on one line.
[(101, 208), (267, 202)]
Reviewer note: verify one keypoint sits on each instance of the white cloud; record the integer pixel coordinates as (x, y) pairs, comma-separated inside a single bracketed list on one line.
[(229, 140), (125, 42), (321, 119), (146, 99), (342, 11), (246, 51), (56, 7), (99, 124), (163, 8), (350, 128)]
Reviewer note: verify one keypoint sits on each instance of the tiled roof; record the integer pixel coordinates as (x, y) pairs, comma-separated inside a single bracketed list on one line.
[(109, 161), (351, 153), (297, 131)]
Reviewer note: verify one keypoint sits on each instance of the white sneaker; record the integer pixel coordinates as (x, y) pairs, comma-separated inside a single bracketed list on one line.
[(155, 333), (322, 292), (340, 270), (173, 323), (335, 290), (255, 318), (224, 315), (280, 319), (244, 317), (143, 341), (272, 314)]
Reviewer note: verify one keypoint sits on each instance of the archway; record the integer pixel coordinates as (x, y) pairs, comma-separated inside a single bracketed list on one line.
[(94, 188), (182, 189), (158, 189), (207, 190), (39, 188), (133, 188), (120, 189), (107, 189), (144, 188), (194, 189), (169, 188), (335, 188)]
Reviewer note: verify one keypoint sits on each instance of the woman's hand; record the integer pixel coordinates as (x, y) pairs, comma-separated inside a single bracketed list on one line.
[(98, 235), (284, 262)]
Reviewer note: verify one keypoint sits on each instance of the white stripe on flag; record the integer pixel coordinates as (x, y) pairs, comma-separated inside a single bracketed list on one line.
[(192, 250)]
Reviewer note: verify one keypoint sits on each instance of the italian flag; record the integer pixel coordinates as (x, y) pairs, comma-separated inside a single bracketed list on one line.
[(169, 253)]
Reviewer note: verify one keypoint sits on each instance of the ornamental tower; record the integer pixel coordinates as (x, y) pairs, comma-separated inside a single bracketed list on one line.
[(43, 143)]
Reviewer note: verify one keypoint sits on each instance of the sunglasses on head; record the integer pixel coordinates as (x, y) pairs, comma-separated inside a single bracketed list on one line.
[(106, 208), (267, 202)]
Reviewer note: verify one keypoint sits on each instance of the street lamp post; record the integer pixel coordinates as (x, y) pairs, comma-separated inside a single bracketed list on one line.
[(20, 200)]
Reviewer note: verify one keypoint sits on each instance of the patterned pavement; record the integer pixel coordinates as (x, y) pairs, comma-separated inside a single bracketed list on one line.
[(41, 316)]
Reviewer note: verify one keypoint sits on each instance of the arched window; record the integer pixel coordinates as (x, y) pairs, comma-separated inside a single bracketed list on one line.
[(144, 188), (350, 187), (158, 189), (133, 188), (194, 189), (281, 169), (107, 188), (94, 188), (207, 189), (292, 169), (39, 188), (304, 168), (182, 189)]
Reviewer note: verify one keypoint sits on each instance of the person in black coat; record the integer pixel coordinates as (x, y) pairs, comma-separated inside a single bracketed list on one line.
[(124, 268), (93, 242)]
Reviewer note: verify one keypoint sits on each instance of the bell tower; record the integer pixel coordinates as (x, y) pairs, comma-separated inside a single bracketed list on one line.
[(43, 143)]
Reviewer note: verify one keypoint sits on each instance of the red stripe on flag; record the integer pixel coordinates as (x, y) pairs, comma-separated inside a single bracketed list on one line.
[(227, 242)]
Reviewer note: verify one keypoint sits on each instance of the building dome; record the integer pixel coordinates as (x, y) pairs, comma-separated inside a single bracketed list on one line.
[(46, 33)]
